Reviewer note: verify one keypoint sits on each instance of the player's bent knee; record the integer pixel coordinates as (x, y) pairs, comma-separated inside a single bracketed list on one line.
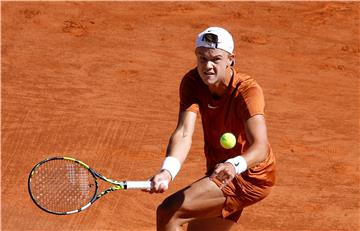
[(210, 224), (163, 213), (165, 216), (168, 210)]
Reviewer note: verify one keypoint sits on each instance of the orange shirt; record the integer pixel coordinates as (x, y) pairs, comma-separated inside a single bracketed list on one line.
[(242, 100)]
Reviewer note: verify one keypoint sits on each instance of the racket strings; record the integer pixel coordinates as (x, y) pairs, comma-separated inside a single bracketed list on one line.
[(62, 185)]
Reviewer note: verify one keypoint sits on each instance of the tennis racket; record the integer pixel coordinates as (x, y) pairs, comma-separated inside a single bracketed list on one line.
[(64, 185)]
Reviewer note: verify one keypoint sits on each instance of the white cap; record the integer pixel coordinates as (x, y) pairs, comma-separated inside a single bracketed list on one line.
[(219, 38)]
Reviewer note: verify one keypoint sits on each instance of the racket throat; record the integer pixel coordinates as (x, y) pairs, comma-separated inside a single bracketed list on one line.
[(114, 188)]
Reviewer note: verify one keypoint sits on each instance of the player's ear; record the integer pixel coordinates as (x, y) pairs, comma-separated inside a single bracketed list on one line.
[(231, 62)]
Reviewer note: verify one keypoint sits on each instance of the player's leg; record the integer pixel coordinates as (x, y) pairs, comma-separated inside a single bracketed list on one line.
[(210, 224), (202, 199)]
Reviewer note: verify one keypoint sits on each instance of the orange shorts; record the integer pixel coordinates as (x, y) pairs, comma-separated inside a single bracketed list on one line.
[(240, 194)]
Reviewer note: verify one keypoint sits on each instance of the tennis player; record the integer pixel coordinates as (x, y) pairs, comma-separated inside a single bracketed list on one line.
[(227, 101)]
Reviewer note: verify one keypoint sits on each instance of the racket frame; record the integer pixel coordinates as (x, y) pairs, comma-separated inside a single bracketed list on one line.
[(117, 185)]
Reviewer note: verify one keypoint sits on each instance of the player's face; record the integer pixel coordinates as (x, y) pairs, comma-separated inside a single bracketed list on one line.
[(212, 64)]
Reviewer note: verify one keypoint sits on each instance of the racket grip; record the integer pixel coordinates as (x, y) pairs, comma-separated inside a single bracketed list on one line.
[(138, 184)]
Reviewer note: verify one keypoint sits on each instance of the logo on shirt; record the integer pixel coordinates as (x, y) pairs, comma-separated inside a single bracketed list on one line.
[(211, 107)]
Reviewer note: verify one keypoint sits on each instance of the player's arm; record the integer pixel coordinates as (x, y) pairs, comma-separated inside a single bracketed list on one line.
[(181, 139), (256, 133), (177, 150)]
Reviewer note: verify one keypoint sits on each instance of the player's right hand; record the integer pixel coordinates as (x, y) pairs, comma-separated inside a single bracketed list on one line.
[(160, 182)]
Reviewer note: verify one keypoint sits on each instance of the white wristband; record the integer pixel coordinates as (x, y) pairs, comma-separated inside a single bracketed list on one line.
[(172, 165), (239, 163)]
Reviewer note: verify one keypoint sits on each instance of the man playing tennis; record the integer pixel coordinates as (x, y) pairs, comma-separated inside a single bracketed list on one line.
[(228, 102)]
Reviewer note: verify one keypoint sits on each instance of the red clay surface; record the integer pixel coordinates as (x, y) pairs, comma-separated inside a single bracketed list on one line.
[(99, 82)]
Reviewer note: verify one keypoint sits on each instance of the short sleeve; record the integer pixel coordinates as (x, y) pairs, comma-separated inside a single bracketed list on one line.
[(188, 94), (253, 101)]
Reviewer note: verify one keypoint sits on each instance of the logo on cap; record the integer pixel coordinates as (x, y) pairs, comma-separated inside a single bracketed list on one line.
[(211, 39)]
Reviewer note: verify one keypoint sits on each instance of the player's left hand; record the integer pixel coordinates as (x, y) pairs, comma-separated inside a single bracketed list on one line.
[(225, 172)]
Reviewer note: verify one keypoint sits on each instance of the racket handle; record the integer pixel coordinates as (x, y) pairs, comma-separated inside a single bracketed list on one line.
[(138, 184)]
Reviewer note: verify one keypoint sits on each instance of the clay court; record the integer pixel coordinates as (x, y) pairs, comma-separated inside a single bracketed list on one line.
[(98, 81)]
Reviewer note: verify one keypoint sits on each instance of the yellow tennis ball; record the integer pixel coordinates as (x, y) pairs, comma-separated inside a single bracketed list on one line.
[(228, 140)]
